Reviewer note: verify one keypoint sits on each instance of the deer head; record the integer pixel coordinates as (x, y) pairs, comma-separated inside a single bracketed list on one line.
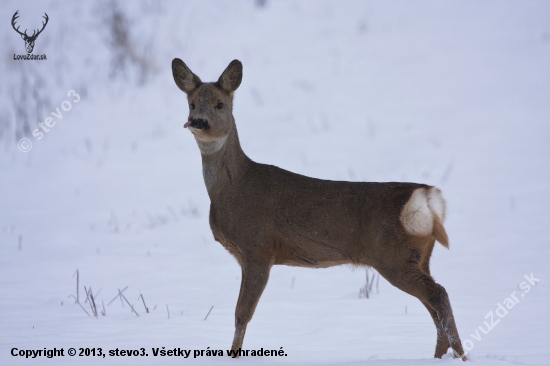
[(210, 104), (29, 40)]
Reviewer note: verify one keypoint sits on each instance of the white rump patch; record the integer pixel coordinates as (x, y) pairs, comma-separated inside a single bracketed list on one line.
[(418, 214), (436, 203)]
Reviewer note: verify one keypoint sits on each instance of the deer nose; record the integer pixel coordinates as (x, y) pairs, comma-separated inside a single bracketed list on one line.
[(198, 123)]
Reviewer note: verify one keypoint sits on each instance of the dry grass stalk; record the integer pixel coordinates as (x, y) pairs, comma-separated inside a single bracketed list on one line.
[(145, 306), (209, 312), (119, 292), (77, 286), (124, 297)]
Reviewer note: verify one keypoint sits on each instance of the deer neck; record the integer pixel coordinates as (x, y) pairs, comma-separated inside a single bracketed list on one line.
[(223, 162)]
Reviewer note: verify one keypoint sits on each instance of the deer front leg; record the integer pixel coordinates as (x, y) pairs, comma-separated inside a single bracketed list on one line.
[(255, 274)]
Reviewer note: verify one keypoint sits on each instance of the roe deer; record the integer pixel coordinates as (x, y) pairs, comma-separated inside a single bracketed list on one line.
[(264, 215)]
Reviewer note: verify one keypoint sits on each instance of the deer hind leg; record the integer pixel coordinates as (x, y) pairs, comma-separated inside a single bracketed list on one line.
[(442, 344), (254, 279), (437, 298), (411, 278)]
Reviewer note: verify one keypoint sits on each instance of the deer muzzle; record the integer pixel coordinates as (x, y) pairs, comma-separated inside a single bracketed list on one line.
[(199, 124)]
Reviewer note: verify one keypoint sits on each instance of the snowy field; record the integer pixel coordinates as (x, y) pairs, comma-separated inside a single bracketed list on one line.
[(448, 93)]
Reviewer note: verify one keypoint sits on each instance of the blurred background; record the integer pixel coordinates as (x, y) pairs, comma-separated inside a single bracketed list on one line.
[(449, 93)]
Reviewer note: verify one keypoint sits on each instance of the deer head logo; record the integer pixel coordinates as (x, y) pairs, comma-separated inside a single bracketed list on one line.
[(29, 40)]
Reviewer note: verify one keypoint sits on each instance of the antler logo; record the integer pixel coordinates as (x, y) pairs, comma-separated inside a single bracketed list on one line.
[(29, 40)]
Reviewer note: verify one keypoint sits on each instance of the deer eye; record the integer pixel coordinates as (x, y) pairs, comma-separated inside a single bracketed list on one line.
[(219, 106), (192, 105)]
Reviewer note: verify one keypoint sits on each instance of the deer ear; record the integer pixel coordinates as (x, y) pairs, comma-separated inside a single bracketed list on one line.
[(232, 76), (184, 78)]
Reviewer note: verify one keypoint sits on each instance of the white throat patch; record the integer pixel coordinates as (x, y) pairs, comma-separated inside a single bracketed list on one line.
[(210, 147)]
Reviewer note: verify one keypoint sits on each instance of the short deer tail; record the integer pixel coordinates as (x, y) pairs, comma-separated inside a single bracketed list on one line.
[(424, 213), (439, 233)]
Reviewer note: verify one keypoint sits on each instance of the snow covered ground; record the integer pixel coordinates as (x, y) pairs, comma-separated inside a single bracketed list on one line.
[(450, 93)]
